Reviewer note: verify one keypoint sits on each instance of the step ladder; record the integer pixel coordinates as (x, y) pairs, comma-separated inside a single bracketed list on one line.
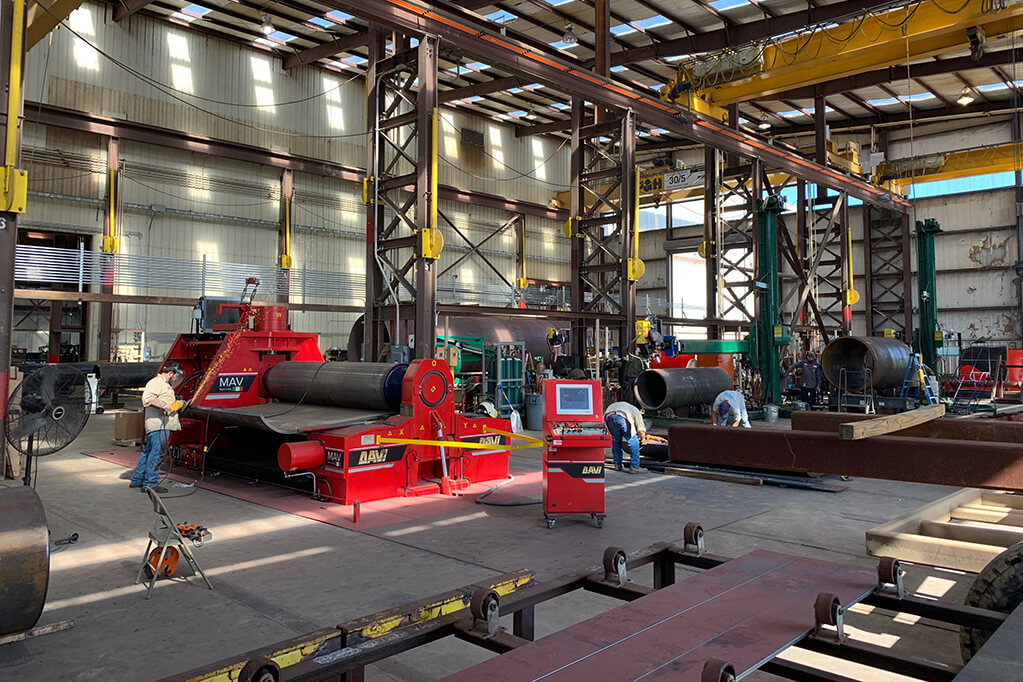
[(915, 370)]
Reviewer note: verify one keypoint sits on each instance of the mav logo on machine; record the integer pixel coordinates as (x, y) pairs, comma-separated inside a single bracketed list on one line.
[(357, 458), (238, 382)]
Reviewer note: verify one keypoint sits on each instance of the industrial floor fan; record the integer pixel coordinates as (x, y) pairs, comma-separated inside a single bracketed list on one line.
[(47, 411)]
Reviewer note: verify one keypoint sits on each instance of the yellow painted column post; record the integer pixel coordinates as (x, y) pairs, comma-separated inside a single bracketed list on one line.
[(285, 246), (111, 245)]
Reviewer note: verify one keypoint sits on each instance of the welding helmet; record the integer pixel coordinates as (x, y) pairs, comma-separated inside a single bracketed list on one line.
[(176, 369)]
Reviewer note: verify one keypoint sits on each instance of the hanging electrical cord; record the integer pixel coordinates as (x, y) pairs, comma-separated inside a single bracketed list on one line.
[(170, 92), (510, 503), (193, 200)]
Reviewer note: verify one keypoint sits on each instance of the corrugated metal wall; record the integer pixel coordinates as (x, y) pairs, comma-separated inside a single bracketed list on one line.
[(184, 205)]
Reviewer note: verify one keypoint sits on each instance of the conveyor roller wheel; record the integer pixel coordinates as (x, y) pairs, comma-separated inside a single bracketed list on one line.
[(826, 608), (692, 534), (716, 670), (614, 560), (888, 569), (484, 603), (260, 670)]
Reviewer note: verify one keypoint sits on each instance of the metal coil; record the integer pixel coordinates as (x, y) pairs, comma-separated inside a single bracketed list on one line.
[(24, 559)]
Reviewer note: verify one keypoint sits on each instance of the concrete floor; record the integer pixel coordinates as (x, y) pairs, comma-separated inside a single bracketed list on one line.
[(278, 575)]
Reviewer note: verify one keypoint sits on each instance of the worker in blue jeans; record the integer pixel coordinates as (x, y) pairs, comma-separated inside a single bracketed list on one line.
[(160, 419), (624, 422)]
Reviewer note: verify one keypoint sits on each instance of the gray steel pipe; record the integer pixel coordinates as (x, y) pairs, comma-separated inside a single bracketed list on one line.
[(670, 388), (110, 374), (24, 559), (866, 362), (364, 385)]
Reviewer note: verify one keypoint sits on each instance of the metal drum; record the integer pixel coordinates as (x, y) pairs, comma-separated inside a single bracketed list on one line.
[(855, 363), (365, 385), (24, 559)]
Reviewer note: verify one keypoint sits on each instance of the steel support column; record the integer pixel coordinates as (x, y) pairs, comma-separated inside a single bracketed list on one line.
[(886, 260), (285, 248), (576, 162), (401, 190), (712, 172), (605, 230), (12, 57), (919, 460), (111, 245), (373, 324)]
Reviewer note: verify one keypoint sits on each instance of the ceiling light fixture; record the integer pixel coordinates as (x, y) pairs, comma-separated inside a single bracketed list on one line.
[(570, 38), (764, 123), (531, 114), (267, 28), (965, 98)]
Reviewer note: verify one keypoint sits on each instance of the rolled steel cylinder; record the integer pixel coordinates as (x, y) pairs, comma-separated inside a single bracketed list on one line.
[(859, 362), (365, 385), (670, 388), (24, 559), (307, 454)]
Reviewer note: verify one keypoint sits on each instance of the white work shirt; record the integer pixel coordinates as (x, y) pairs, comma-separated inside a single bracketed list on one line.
[(157, 396), (632, 415), (736, 406)]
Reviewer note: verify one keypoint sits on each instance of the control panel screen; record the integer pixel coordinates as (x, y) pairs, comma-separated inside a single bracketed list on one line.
[(574, 400)]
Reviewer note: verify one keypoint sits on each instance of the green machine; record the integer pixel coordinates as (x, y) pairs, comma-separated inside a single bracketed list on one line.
[(767, 334), (927, 338), (499, 368)]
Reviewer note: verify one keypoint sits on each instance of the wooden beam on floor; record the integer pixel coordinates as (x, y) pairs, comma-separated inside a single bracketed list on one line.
[(880, 426)]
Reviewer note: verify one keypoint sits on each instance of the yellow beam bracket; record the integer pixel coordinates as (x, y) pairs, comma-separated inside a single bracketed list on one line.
[(15, 189), (286, 256), (527, 443), (870, 41)]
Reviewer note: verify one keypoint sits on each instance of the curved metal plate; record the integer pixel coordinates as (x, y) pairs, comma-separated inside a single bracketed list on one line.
[(24, 559), (287, 418)]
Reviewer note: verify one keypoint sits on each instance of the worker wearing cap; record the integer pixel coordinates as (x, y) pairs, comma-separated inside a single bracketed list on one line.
[(625, 423), (161, 418), (811, 377), (729, 410)]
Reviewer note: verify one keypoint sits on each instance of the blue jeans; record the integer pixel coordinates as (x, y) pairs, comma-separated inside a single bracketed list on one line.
[(147, 470), (619, 428)]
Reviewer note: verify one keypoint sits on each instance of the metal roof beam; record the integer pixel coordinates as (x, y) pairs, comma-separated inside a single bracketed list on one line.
[(740, 33), (340, 44), (125, 8), (467, 34)]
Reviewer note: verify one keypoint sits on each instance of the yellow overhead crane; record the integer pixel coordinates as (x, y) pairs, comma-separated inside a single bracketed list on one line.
[(899, 174), (872, 40)]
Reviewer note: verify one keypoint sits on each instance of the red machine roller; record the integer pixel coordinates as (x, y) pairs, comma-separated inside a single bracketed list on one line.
[(261, 388), (573, 456)]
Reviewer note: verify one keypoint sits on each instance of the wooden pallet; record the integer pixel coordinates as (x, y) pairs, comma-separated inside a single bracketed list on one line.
[(962, 531)]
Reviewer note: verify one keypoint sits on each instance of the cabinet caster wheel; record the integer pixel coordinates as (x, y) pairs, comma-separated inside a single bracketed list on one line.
[(599, 519), (550, 523)]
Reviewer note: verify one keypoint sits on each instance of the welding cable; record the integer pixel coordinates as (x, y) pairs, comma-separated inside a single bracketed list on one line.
[(520, 503)]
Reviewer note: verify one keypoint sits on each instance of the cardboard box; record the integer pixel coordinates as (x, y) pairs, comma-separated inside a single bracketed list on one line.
[(129, 425)]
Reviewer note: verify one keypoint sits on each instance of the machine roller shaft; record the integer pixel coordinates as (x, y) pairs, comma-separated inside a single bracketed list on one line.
[(670, 388)]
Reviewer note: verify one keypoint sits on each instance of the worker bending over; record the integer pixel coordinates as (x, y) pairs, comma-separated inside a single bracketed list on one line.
[(625, 423), (729, 410)]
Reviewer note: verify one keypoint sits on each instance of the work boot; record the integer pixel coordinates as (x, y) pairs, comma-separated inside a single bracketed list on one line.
[(637, 470), (135, 485), (618, 467)]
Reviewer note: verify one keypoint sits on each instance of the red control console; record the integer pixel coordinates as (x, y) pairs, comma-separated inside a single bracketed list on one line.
[(573, 456)]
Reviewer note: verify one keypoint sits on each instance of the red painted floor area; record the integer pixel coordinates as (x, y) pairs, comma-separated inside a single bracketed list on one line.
[(373, 515)]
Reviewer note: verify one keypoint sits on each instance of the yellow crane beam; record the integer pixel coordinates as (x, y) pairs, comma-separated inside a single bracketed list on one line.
[(871, 41), (899, 174)]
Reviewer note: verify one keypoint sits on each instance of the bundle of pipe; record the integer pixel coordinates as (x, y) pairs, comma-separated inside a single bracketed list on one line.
[(855, 363), (365, 385), (670, 388), (24, 559), (531, 331)]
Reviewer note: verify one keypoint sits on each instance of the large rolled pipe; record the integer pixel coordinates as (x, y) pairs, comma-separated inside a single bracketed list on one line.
[(670, 388), (24, 559), (856, 363), (364, 385)]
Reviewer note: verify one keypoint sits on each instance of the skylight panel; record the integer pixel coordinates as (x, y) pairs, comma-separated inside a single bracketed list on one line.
[(887, 101), (562, 45), (281, 36), (321, 22), (622, 29), (500, 16), (992, 87), (517, 114), (725, 5), (474, 98), (197, 11), (338, 16), (652, 22), (558, 3), (561, 106), (477, 66), (919, 97), (619, 69)]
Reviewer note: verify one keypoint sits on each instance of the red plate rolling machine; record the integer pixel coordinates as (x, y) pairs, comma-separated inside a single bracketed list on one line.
[(573, 455), (260, 388)]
